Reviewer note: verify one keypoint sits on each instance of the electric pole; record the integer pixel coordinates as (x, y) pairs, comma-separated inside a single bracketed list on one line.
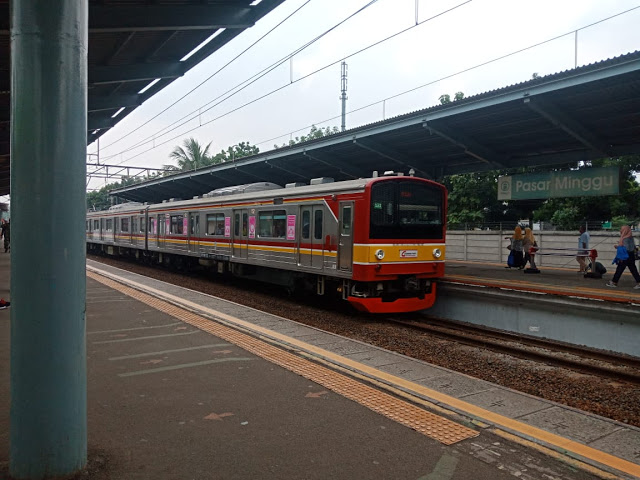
[(343, 97)]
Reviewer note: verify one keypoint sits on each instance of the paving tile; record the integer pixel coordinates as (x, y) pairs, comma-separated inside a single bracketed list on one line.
[(570, 424), (345, 347), (623, 443), (374, 357), (411, 370), (455, 385), (507, 403)]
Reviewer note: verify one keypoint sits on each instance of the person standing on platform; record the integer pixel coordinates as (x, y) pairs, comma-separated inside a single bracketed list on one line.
[(583, 249), (6, 234), (528, 243), (627, 244), (516, 248)]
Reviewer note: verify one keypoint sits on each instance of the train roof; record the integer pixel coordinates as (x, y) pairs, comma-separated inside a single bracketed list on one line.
[(256, 191)]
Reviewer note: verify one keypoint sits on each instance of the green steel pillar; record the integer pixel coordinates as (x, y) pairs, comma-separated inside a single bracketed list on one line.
[(48, 283)]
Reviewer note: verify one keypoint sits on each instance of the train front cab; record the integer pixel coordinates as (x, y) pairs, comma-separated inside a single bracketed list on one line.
[(398, 245)]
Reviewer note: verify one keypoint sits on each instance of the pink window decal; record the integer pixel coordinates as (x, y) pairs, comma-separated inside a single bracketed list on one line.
[(252, 226), (291, 227), (227, 227)]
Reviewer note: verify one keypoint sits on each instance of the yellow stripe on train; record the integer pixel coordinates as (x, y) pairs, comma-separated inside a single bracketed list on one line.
[(364, 254)]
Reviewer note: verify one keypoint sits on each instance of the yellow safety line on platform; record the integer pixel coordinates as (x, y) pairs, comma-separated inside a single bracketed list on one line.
[(482, 414), (585, 292), (429, 424)]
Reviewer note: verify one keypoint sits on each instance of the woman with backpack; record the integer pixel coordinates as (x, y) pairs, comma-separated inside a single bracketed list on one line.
[(625, 258), (516, 258)]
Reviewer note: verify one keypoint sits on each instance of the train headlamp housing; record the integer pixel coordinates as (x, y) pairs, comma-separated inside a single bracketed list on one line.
[(437, 253), (379, 254)]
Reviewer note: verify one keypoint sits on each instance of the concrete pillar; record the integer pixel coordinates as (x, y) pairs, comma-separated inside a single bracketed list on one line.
[(48, 283)]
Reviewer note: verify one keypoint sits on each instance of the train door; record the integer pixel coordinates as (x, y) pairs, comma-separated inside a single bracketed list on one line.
[(161, 229), (345, 243), (310, 246), (128, 229), (142, 231), (240, 233), (194, 232), (111, 229)]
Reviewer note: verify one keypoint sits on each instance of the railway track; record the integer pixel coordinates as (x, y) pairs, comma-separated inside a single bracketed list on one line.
[(583, 360)]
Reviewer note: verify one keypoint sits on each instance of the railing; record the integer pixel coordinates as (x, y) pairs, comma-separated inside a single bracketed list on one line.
[(591, 225), (491, 246)]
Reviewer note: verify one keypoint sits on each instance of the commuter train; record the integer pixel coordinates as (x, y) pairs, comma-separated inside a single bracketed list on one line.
[(378, 242)]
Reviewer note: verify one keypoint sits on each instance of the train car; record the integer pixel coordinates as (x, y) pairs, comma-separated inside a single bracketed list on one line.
[(378, 242)]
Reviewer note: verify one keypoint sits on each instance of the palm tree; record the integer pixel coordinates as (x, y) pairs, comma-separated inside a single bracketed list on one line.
[(191, 155)]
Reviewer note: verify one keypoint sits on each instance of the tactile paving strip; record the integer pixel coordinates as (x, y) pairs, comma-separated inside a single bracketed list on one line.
[(429, 424)]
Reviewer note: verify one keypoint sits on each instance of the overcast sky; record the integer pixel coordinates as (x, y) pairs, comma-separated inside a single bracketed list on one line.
[(471, 34)]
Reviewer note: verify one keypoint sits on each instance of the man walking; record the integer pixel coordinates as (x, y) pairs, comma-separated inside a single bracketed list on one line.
[(583, 249), (6, 234)]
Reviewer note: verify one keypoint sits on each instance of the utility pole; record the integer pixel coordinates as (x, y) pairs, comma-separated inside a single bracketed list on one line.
[(343, 97)]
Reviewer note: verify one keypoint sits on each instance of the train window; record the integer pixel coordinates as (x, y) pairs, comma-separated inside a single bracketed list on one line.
[(215, 224), (346, 220), (143, 225), (272, 224), (406, 209), (176, 225), (96, 225), (245, 224), (134, 224), (109, 225), (152, 222), (265, 224), (306, 224), (86, 226), (317, 225), (195, 224), (124, 225), (236, 225)]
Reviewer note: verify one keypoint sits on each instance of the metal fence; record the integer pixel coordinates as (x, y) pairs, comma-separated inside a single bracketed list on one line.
[(491, 246), (592, 225)]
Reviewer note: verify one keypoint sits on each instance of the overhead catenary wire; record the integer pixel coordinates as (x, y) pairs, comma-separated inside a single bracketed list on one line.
[(268, 69), (153, 138), (452, 75), (211, 76), (378, 101)]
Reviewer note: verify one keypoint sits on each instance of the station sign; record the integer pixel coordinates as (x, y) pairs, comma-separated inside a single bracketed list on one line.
[(585, 182)]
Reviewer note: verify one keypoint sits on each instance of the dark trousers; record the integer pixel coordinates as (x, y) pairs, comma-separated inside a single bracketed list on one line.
[(629, 262)]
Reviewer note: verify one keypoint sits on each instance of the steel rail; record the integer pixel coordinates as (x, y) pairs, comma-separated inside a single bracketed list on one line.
[(492, 340)]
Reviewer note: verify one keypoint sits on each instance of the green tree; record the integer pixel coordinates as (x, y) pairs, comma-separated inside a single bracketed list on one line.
[(191, 155), (314, 133), (100, 199), (446, 98), (234, 152)]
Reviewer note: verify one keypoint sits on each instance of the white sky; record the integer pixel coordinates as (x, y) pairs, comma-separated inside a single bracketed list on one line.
[(474, 33)]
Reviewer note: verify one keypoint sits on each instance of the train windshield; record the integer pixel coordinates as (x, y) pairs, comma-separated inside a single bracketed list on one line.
[(406, 209)]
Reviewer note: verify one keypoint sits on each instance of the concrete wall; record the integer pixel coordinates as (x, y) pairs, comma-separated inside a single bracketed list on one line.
[(491, 246), (579, 322)]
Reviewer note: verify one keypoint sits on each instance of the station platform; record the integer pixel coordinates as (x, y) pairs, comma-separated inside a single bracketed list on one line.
[(182, 385), (561, 282)]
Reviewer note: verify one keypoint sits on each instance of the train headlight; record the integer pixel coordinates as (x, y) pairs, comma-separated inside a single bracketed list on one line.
[(380, 254), (437, 253)]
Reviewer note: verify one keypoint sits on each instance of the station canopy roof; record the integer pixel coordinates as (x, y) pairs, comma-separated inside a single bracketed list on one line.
[(132, 43), (580, 114)]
